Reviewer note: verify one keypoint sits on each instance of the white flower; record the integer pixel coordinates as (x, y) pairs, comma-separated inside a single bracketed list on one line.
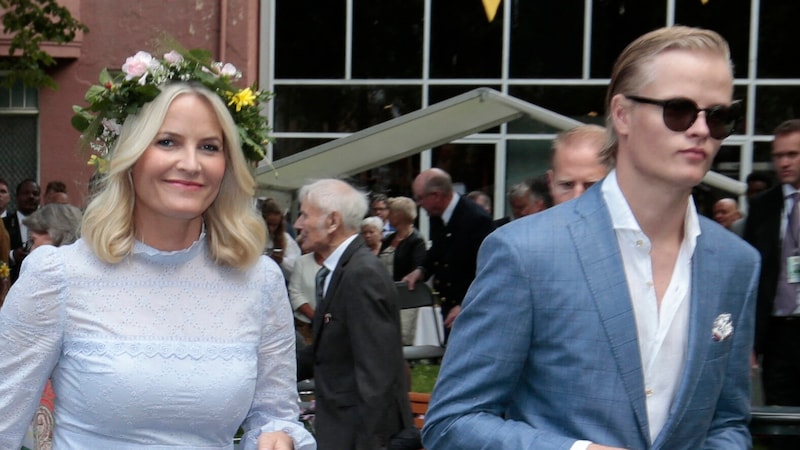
[(173, 58), (722, 327), (229, 70), (111, 126)]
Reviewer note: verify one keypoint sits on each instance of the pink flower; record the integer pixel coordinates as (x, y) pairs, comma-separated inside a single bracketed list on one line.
[(137, 65), (173, 58)]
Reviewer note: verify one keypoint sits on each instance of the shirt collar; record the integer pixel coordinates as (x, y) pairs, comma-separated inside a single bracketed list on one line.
[(333, 259), (448, 212), (622, 217)]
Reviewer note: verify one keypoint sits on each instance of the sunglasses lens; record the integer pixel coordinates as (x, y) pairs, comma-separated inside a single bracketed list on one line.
[(721, 121), (680, 114)]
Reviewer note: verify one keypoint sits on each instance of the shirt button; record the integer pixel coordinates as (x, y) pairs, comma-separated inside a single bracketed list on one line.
[(648, 392), (649, 284), (639, 243)]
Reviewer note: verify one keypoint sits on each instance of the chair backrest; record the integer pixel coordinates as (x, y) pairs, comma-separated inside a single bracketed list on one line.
[(420, 296)]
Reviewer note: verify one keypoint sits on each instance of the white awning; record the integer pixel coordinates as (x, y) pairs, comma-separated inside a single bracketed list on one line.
[(438, 124)]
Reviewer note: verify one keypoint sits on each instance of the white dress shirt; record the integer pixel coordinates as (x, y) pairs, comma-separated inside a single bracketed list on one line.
[(333, 260), (663, 334)]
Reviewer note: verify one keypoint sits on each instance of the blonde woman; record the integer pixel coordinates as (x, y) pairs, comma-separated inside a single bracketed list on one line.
[(163, 326), (403, 251)]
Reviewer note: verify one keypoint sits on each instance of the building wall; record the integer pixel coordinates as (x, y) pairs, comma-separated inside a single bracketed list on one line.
[(118, 29)]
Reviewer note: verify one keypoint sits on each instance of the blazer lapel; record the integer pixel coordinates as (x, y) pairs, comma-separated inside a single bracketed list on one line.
[(598, 252), (322, 311)]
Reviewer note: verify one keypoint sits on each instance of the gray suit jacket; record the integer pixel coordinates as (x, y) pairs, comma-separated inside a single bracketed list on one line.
[(545, 349)]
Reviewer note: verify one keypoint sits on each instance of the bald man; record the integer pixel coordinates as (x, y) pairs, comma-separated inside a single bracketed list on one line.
[(458, 227), (575, 163), (726, 212)]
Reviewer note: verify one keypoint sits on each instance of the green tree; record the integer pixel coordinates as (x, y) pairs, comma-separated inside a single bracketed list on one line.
[(32, 22)]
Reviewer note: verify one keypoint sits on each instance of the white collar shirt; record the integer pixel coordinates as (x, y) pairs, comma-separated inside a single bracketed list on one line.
[(448, 212), (333, 260), (663, 334)]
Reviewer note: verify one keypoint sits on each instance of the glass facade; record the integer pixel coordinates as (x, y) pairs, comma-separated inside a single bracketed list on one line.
[(344, 65)]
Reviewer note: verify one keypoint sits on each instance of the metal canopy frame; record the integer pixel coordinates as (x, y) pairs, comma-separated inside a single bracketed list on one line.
[(438, 124)]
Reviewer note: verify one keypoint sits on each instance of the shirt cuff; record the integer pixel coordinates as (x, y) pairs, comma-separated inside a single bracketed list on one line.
[(580, 445)]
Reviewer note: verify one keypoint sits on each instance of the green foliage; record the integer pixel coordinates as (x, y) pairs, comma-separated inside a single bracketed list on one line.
[(423, 377), (116, 97), (33, 22)]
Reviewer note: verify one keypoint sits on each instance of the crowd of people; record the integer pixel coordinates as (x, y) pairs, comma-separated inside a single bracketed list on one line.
[(605, 312)]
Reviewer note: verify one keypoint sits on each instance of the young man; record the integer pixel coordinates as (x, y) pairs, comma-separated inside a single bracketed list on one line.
[(621, 319)]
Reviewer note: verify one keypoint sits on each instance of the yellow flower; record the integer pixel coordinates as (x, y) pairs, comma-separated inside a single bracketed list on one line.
[(100, 163), (245, 97), (4, 270)]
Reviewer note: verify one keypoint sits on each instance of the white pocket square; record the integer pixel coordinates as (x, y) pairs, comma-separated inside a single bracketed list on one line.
[(722, 327)]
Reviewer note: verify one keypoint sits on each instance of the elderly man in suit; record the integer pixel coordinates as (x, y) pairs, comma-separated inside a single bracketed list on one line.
[(458, 227), (361, 392), (621, 319)]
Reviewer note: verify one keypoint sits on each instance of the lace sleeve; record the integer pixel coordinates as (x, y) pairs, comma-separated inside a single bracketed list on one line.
[(274, 405), (31, 330)]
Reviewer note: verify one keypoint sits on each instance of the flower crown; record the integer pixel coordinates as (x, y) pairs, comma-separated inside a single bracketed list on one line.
[(116, 98)]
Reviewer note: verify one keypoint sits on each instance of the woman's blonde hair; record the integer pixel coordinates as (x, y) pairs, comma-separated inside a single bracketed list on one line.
[(236, 233), (404, 205)]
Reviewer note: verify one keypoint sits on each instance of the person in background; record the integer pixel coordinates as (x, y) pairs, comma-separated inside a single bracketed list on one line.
[(281, 247), (726, 212), (54, 224), (403, 251), (458, 227), (28, 195), (55, 192), (575, 163), (372, 232), (482, 199), (165, 306), (525, 198), (5, 198), (377, 207), (622, 319), (357, 359), (773, 228), (757, 182), (302, 293)]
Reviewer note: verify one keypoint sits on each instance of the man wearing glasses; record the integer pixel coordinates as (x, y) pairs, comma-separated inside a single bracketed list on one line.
[(458, 226), (621, 319)]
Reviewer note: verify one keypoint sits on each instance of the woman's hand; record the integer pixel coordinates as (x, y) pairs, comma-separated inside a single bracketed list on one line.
[(276, 440)]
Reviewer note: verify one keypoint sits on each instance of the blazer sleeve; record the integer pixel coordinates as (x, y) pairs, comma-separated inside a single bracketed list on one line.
[(476, 381)]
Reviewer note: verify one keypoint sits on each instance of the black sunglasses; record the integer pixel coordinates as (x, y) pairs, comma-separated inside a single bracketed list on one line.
[(680, 113)]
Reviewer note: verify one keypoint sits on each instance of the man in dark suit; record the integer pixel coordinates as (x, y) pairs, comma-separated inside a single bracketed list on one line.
[(361, 391), (458, 227), (27, 195), (768, 229)]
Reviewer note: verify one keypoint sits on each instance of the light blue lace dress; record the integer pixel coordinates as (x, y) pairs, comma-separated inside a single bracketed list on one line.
[(165, 350)]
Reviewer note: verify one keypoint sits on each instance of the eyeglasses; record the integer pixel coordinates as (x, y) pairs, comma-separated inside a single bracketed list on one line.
[(680, 113)]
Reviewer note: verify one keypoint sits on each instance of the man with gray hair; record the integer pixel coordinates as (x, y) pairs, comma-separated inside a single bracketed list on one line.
[(357, 358)]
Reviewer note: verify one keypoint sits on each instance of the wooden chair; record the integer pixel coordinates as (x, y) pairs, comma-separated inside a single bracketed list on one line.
[(419, 297)]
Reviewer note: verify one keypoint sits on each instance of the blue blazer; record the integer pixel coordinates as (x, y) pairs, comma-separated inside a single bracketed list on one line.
[(545, 349)]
